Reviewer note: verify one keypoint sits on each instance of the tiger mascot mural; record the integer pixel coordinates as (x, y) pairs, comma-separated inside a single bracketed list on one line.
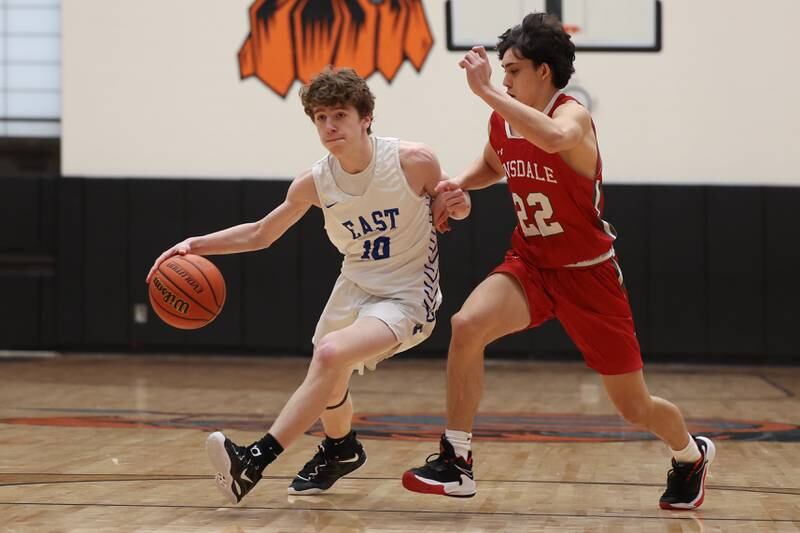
[(294, 39)]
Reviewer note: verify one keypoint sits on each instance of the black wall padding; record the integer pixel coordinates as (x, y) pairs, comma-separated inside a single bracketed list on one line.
[(27, 262), (70, 297), (781, 280), (677, 299), (711, 271), (271, 312), (105, 264), (735, 254)]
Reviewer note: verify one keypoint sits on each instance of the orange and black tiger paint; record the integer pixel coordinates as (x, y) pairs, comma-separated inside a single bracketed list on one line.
[(295, 39)]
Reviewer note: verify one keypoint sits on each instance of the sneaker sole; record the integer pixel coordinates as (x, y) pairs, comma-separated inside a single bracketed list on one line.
[(314, 491), (414, 483), (711, 453), (215, 449)]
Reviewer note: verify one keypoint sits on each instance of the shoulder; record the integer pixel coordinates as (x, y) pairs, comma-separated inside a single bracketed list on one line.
[(302, 188), (572, 109), (417, 157)]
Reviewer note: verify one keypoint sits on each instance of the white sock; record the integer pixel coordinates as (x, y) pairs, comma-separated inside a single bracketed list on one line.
[(461, 441), (690, 454)]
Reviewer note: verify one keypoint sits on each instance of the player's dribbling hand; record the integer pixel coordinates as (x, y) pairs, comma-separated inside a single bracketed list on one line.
[(182, 248), (479, 70)]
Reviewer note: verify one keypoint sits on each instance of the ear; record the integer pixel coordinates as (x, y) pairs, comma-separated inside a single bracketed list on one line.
[(544, 71)]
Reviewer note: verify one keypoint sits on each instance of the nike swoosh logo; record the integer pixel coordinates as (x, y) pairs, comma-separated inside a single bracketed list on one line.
[(243, 475), (353, 460), (331, 205), (463, 471)]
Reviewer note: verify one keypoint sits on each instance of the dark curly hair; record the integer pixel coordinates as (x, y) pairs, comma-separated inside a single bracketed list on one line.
[(542, 39), (337, 87)]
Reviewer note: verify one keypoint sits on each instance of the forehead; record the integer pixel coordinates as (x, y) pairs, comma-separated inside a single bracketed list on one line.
[(512, 57), (333, 108)]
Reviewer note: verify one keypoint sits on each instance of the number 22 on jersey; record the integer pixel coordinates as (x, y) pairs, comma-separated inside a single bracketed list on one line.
[(542, 211)]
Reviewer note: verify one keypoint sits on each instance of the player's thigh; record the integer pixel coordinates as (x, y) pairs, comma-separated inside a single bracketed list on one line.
[(497, 307), (364, 339)]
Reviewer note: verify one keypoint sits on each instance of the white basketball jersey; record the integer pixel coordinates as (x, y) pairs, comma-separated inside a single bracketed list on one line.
[(386, 234)]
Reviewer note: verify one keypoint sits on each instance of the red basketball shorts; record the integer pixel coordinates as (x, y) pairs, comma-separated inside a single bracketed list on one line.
[(592, 305)]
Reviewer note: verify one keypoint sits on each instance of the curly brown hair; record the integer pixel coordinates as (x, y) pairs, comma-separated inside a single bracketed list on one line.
[(337, 87), (542, 39)]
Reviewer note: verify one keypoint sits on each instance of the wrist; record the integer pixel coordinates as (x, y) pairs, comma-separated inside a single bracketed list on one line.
[(467, 209)]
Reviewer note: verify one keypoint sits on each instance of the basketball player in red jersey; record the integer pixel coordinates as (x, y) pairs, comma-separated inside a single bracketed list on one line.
[(561, 263)]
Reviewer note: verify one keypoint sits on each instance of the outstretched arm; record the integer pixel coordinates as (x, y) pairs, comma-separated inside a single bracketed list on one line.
[(251, 236), (563, 132)]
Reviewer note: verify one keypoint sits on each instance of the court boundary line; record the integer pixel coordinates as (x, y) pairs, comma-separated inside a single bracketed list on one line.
[(415, 511), (121, 478)]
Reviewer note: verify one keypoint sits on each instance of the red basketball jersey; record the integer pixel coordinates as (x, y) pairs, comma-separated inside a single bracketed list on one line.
[(559, 211)]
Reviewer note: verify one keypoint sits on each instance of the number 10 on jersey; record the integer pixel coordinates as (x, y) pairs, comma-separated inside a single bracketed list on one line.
[(377, 248)]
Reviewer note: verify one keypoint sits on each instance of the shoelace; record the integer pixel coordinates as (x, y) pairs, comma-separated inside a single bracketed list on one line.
[(311, 469), (439, 457), (684, 471)]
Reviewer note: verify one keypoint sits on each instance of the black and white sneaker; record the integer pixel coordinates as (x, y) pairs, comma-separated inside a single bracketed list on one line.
[(237, 470), (444, 473), (686, 481), (329, 464)]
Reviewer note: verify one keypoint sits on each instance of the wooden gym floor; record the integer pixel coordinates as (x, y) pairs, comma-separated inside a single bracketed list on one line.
[(115, 443)]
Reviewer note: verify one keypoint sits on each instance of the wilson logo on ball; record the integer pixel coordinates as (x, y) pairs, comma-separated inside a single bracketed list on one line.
[(169, 298)]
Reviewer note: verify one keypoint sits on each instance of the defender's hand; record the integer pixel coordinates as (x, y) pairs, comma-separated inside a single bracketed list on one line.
[(479, 70)]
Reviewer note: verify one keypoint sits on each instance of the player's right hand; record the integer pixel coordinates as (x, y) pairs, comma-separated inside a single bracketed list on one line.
[(182, 248), (448, 202)]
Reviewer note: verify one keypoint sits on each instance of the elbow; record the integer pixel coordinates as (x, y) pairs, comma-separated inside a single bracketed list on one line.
[(554, 142)]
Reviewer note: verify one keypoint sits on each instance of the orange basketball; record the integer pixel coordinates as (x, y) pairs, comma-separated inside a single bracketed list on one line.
[(187, 291)]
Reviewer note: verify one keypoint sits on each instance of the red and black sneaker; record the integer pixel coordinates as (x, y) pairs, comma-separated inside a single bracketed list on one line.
[(686, 481), (444, 473)]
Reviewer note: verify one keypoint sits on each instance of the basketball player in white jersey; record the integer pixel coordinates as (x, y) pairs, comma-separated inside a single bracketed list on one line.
[(375, 194)]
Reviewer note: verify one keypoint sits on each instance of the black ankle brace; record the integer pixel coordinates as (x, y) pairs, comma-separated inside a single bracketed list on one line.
[(342, 442), (265, 450)]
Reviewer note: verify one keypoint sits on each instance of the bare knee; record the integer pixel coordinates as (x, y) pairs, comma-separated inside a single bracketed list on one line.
[(327, 355), (467, 331)]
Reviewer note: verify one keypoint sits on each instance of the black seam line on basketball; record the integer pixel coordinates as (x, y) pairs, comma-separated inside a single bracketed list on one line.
[(705, 518), (213, 314), (208, 282), (783, 491), (169, 311)]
